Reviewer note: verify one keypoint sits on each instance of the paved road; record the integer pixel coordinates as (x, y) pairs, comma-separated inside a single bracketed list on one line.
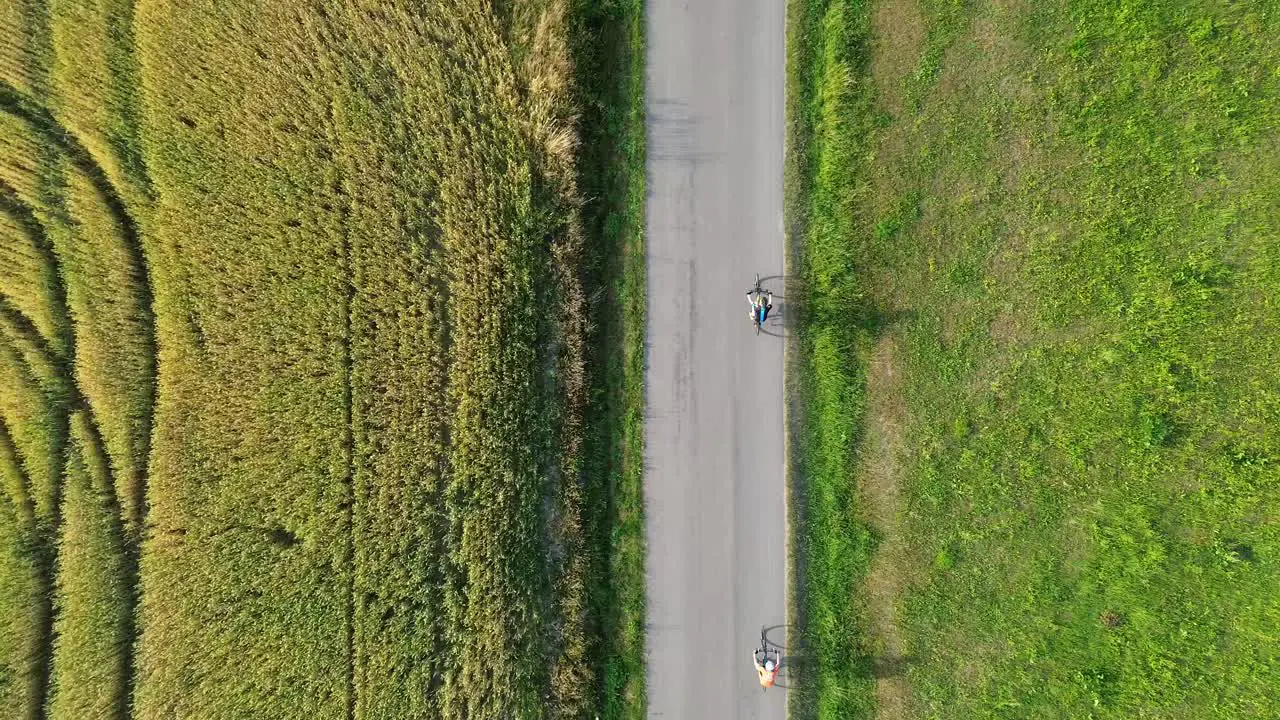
[(714, 482)]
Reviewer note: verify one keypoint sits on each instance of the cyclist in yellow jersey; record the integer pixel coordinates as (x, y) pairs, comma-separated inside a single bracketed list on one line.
[(767, 661)]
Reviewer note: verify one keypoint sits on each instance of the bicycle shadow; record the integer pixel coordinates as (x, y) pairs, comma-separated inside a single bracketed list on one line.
[(770, 634), (885, 667), (796, 665), (795, 669), (792, 671), (783, 318), (764, 281), (777, 325)]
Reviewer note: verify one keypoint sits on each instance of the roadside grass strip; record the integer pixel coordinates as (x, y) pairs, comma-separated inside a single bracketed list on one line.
[(827, 125), (609, 52)]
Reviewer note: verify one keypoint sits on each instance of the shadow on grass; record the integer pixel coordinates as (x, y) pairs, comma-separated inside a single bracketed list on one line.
[(812, 661), (796, 668)]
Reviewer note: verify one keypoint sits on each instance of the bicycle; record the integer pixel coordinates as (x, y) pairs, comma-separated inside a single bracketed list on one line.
[(768, 660), (761, 302)]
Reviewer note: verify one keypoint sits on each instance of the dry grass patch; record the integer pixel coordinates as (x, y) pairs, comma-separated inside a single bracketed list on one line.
[(879, 489), (898, 34)]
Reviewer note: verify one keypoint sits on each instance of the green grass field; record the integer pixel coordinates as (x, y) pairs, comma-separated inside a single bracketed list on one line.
[(321, 354), (1041, 247)]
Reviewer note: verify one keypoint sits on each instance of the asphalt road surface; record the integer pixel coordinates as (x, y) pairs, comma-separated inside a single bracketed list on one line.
[(714, 483)]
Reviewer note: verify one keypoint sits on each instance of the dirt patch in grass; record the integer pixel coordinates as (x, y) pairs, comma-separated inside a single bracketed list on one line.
[(1006, 327), (879, 481), (898, 37)]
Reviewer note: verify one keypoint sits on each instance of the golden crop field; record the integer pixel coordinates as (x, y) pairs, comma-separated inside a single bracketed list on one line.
[(313, 396)]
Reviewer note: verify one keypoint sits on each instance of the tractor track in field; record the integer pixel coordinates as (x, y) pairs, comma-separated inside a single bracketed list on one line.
[(47, 127), (348, 441), (26, 507), (42, 121)]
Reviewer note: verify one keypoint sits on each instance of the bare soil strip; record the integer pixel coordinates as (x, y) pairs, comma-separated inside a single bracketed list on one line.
[(898, 32), (879, 483)]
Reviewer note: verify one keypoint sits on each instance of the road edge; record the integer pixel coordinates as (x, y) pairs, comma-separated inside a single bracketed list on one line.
[(792, 237)]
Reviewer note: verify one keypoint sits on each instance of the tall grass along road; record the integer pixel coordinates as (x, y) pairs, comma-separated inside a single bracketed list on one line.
[(714, 439), (1040, 248)]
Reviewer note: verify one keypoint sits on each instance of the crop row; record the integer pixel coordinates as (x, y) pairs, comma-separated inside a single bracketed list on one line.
[(355, 239), (246, 574), (395, 288)]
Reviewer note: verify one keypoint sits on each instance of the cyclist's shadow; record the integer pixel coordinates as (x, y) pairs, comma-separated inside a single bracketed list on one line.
[(792, 669), (777, 324), (795, 668)]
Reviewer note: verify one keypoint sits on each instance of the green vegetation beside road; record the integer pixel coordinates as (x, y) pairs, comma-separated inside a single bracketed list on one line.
[(1054, 227), (610, 40), (828, 124)]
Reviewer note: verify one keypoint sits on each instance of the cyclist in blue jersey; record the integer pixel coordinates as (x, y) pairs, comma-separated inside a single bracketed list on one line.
[(761, 302)]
